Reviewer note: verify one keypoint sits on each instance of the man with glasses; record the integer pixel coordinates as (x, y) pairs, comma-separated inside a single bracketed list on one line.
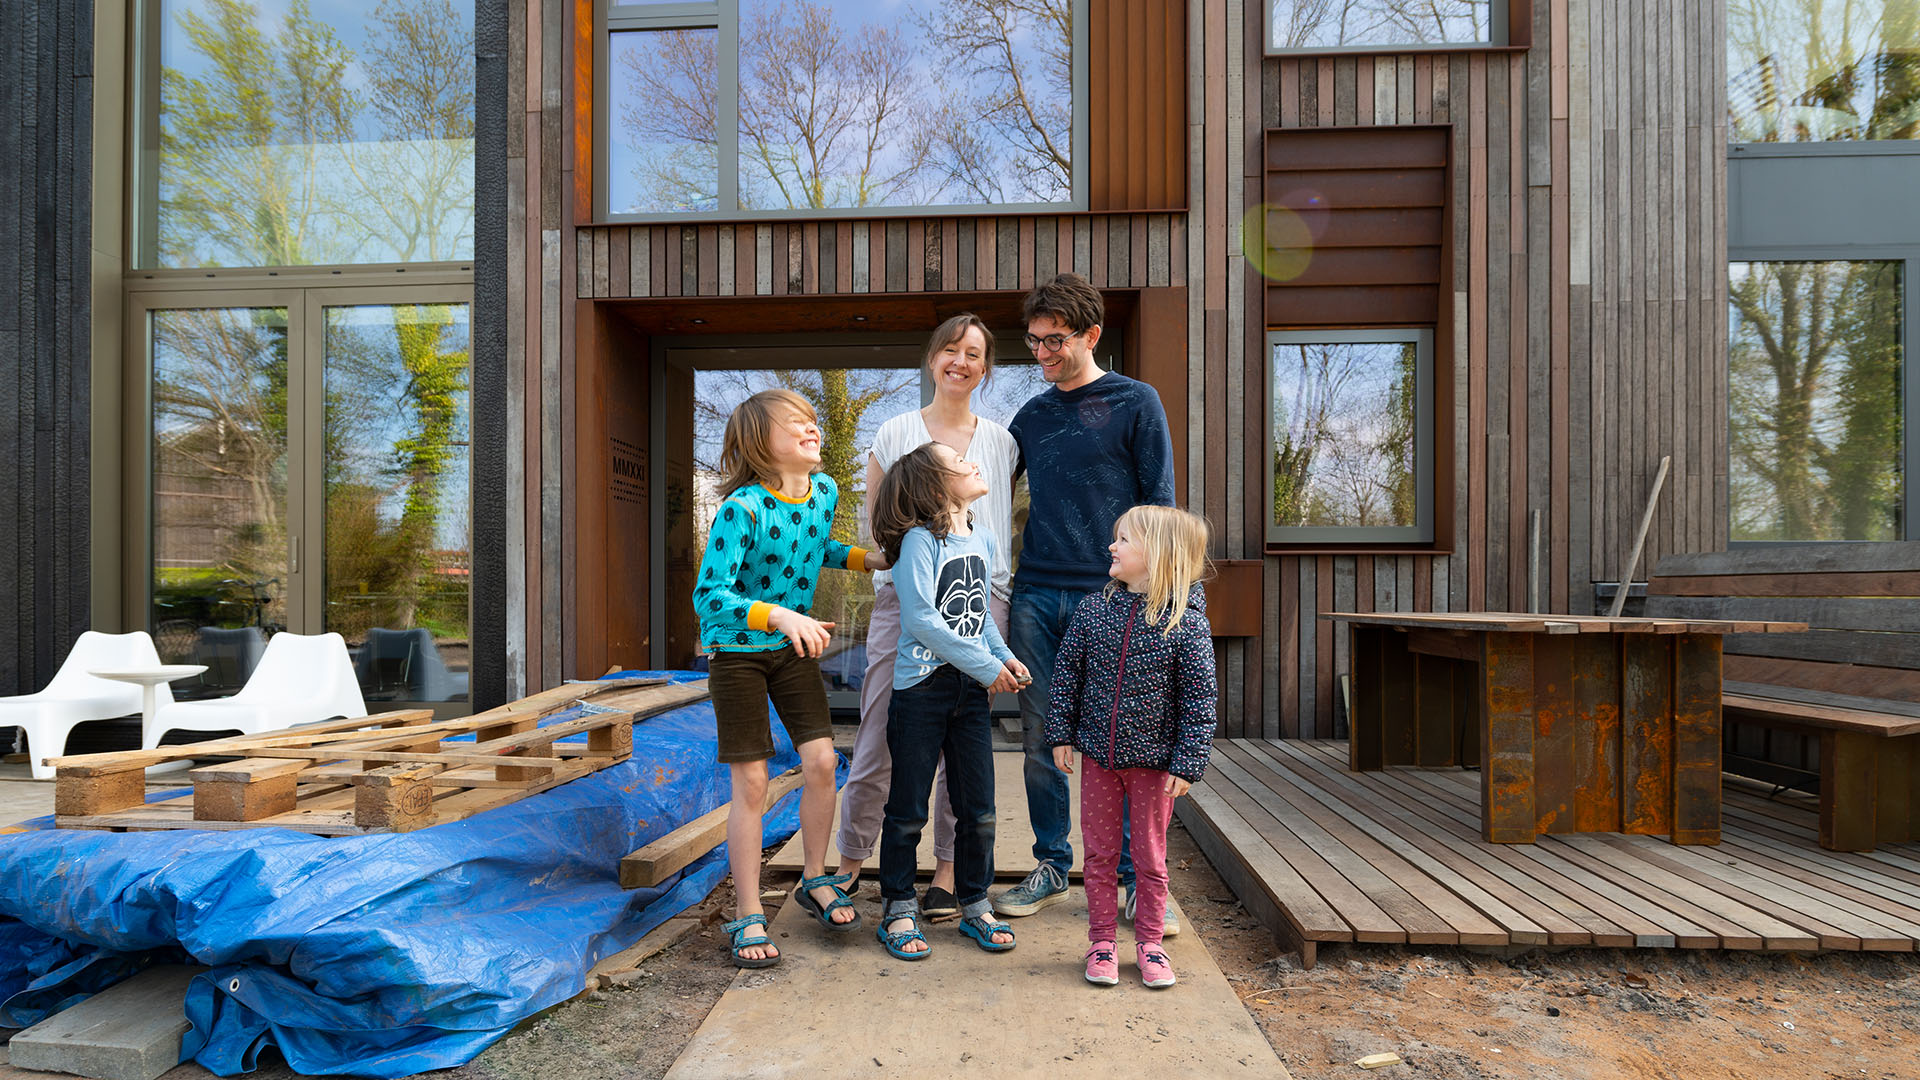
[(1093, 445)]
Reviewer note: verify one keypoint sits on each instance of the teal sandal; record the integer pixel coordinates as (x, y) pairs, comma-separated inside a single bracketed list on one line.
[(896, 942), (738, 928), (981, 930), (804, 897)]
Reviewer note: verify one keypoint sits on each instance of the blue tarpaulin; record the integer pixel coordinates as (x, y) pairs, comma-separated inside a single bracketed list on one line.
[(379, 955)]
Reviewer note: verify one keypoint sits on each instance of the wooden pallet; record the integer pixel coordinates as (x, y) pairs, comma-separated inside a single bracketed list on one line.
[(392, 772)]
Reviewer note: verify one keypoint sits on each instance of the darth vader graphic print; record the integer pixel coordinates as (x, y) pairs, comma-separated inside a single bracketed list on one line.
[(961, 594)]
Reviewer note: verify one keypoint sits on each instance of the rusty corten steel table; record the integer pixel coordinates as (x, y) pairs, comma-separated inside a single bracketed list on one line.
[(1577, 723)]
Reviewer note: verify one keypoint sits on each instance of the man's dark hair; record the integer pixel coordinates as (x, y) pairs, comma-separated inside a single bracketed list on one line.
[(1068, 299)]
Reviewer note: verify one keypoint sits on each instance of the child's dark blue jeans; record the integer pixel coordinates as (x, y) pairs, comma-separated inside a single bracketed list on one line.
[(945, 713)]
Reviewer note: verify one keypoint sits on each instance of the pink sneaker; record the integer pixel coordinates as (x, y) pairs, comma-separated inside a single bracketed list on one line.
[(1154, 969), (1102, 968)]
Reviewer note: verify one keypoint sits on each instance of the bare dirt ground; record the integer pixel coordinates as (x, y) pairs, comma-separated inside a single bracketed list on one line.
[(1577, 1014)]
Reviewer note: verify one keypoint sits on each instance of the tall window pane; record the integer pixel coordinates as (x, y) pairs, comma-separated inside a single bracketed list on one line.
[(662, 153), (1348, 435), (1815, 383), (398, 537), (290, 136), (219, 489), (1823, 70), (1329, 24)]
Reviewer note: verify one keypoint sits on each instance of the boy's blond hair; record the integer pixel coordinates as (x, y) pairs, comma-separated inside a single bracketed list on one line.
[(1175, 545), (744, 457)]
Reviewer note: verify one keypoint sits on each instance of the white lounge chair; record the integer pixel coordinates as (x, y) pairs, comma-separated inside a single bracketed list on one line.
[(75, 697), (301, 679)]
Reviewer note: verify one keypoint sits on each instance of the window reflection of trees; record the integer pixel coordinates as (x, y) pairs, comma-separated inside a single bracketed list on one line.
[(1344, 420), (1815, 403), (853, 105), (282, 144), (1321, 24), (1823, 70)]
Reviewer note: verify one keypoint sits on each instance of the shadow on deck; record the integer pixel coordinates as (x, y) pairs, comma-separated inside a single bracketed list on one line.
[(1320, 854)]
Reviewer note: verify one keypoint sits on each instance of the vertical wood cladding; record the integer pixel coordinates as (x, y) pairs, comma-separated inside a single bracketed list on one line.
[(1581, 294), (1136, 105), (46, 140)]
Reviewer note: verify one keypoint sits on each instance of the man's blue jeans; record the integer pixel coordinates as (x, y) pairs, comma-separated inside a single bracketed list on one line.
[(1035, 625)]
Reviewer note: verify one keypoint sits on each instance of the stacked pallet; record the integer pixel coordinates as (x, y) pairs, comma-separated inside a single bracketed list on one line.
[(391, 772)]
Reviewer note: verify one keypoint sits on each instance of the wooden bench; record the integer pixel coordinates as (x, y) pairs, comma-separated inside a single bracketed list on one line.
[(1834, 706)]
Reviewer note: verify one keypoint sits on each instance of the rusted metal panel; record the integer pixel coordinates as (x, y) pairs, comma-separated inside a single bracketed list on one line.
[(1596, 752), (1849, 775), (1646, 734), (1696, 739), (1397, 699), (1506, 751), (1556, 717), (1434, 707), (1366, 744)]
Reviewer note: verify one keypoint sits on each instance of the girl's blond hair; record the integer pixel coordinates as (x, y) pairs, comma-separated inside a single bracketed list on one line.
[(744, 457), (1175, 545)]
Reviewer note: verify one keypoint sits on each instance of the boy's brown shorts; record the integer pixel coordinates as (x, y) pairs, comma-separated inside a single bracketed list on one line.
[(741, 683)]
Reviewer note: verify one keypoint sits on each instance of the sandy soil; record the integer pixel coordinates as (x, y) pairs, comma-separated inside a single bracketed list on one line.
[(1577, 1014)]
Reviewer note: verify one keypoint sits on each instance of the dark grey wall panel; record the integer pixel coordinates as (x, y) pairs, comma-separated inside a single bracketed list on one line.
[(1825, 196), (489, 402), (46, 133)]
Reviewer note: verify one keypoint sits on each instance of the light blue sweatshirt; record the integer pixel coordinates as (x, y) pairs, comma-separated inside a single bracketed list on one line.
[(943, 587)]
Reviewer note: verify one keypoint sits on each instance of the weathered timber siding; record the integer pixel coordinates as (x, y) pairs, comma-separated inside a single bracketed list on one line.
[(46, 169)]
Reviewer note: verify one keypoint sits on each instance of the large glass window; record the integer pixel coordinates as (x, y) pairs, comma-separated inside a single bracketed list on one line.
[(1296, 25), (1818, 407), (285, 134), (1823, 70), (782, 106), (1352, 432)]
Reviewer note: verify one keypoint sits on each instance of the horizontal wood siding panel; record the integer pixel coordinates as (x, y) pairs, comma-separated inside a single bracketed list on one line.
[(1359, 305)]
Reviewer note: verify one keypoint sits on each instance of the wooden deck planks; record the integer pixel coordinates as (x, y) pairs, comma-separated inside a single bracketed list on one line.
[(1397, 855)]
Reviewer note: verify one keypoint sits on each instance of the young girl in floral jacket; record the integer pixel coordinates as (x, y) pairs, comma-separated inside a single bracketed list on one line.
[(1133, 692)]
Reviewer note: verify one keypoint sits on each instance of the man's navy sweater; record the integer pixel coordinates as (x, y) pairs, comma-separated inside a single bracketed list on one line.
[(1090, 455)]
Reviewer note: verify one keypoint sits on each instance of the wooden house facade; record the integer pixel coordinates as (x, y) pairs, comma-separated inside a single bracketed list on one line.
[(1554, 209)]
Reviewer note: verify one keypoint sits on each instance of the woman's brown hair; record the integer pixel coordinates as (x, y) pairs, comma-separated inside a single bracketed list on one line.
[(744, 457), (914, 493)]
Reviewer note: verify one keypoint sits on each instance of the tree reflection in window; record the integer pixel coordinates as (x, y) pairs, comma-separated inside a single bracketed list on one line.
[(1815, 402), (926, 103), (1328, 24), (1823, 70), (1344, 435), (295, 140)]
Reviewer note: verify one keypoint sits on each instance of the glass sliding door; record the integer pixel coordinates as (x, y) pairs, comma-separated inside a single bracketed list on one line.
[(221, 545), (397, 530)]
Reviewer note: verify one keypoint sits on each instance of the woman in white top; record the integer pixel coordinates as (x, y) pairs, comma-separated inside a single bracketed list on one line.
[(959, 357)]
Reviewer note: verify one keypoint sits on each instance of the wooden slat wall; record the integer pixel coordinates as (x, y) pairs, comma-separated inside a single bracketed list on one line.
[(1586, 298), (1136, 156), (1588, 269), (46, 238)]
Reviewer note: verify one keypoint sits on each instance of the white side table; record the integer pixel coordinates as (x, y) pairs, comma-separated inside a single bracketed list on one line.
[(147, 678)]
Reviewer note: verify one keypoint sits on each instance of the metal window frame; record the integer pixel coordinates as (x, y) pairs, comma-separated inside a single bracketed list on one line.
[(1499, 23), (724, 15), (305, 298), (1908, 255), (1422, 531)]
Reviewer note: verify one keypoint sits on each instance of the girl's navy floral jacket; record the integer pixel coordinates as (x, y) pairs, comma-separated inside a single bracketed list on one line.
[(1130, 697)]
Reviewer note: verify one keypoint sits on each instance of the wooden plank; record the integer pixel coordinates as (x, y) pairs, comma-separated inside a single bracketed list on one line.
[(1771, 933), (1399, 717), (670, 854), (1436, 719), (1849, 788), (1384, 880), (1870, 583), (1853, 558), (1894, 615), (1463, 904), (88, 765), (1864, 648), (1812, 709), (1367, 735), (1365, 920), (1528, 910), (1895, 683), (1507, 751)]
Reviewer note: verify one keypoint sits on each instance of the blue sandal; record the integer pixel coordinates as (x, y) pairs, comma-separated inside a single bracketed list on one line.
[(738, 928), (981, 931), (896, 942), (804, 897)]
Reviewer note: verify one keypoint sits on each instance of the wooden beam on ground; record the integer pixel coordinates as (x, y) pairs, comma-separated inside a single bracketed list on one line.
[(670, 854)]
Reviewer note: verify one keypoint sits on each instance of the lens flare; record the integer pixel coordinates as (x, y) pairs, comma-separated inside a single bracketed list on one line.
[(1277, 241)]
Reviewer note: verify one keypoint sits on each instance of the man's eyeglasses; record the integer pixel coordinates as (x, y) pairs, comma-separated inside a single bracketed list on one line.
[(1053, 342)]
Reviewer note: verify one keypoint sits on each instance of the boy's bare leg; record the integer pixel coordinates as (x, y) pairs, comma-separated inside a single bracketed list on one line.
[(817, 797), (743, 846)]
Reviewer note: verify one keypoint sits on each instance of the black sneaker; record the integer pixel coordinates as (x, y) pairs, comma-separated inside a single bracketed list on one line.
[(939, 905)]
